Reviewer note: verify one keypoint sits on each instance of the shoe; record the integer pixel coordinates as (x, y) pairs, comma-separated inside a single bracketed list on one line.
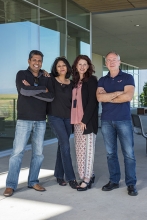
[(80, 182), (92, 179), (132, 190), (88, 186), (37, 187), (61, 182), (8, 192), (110, 186), (73, 184)]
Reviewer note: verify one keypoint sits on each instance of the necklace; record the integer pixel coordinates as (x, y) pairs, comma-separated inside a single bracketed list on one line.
[(61, 82)]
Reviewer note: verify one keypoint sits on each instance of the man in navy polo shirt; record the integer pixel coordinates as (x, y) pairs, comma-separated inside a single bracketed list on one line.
[(115, 91)]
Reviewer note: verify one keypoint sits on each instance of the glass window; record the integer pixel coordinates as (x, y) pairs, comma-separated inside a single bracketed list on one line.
[(104, 61), (7, 120), (78, 15), (15, 47), (124, 67), (136, 70), (78, 42), (105, 71), (56, 6), (24, 27), (21, 19), (130, 69), (2, 13), (136, 93), (52, 38)]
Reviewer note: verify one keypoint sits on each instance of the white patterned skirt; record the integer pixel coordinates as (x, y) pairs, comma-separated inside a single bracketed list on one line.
[(85, 149)]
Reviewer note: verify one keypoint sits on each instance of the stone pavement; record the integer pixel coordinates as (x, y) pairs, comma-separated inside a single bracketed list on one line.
[(65, 203)]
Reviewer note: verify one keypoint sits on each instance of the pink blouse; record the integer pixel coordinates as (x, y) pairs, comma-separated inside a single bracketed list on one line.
[(77, 108)]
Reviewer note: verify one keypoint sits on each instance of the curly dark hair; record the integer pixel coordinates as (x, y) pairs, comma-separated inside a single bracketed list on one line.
[(89, 72), (54, 70)]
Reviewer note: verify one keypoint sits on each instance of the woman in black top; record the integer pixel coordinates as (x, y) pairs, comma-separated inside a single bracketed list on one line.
[(84, 116), (59, 118)]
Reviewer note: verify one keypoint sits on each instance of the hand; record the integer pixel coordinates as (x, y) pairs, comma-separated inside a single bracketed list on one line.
[(46, 90), (25, 83), (45, 73), (101, 90), (82, 126)]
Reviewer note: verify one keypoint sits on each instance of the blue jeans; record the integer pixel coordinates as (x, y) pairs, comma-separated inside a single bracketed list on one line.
[(124, 131), (62, 129), (23, 131)]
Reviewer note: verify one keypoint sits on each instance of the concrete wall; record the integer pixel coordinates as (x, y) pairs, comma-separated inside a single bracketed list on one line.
[(97, 61)]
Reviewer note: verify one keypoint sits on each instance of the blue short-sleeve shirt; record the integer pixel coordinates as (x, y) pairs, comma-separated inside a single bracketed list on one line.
[(116, 111)]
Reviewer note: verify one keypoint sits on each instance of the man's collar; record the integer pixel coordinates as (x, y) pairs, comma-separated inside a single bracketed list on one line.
[(120, 73), (40, 72)]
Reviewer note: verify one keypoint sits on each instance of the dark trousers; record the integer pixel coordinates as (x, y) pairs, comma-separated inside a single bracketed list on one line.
[(62, 129)]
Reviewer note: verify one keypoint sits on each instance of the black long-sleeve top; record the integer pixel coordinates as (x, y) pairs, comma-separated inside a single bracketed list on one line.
[(90, 105), (32, 100), (61, 105)]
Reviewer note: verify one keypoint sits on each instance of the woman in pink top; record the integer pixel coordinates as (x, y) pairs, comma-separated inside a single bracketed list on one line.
[(84, 116)]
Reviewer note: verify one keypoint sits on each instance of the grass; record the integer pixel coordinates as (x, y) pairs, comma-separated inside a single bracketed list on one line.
[(7, 105), (8, 96)]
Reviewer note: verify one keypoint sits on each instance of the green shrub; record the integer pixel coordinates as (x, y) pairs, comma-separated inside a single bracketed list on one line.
[(143, 96)]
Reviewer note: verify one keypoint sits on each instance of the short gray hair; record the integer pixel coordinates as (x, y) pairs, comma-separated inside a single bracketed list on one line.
[(113, 52)]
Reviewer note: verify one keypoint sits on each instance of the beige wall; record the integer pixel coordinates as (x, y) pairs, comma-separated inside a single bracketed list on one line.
[(97, 61)]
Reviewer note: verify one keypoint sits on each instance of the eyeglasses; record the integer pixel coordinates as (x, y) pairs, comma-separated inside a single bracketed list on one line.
[(112, 61), (36, 81)]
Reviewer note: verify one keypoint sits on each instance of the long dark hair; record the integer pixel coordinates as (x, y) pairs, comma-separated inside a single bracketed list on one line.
[(54, 70), (87, 74)]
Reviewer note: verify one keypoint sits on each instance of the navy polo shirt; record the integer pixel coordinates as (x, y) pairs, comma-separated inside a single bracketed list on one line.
[(116, 111)]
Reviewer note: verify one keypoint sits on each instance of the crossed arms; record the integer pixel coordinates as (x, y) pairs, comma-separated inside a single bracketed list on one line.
[(115, 97), (44, 93)]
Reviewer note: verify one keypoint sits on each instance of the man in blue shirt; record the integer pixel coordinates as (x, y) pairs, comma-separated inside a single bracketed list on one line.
[(115, 91)]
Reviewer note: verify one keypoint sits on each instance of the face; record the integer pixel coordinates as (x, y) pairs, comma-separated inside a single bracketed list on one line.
[(82, 66), (61, 68), (35, 63), (112, 62)]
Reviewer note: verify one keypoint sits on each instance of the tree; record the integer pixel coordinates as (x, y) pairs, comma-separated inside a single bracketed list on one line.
[(143, 96)]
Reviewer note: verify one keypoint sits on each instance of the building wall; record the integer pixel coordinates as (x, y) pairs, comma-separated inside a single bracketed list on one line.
[(97, 61)]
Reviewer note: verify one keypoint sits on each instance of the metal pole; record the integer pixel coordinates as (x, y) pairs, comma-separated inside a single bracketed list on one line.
[(14, 118)]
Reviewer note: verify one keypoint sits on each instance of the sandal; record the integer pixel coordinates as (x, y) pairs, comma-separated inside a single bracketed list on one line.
[(88, 186), (73, 184), (61, 182)]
